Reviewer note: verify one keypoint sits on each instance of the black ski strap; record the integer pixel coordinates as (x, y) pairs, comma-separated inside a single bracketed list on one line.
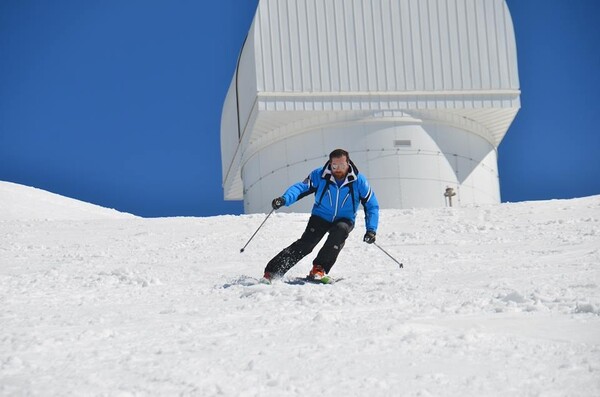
[(327, 183), (351, 186)]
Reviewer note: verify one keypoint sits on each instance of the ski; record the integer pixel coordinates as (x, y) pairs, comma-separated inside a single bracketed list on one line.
[(308, 280)]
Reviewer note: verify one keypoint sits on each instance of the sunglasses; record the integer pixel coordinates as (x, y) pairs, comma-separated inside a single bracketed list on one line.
[(340, 166)]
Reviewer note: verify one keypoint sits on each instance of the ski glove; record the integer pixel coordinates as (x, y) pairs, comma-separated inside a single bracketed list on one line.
[(369, 237), (278, 203)]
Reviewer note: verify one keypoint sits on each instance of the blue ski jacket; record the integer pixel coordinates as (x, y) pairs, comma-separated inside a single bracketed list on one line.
[(333, 201)]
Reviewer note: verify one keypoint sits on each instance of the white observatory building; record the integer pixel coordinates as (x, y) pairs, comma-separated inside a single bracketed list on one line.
[(420, 92)]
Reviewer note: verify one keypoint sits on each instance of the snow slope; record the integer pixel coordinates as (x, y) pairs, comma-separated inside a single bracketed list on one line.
[(492, 301), (18, 202)]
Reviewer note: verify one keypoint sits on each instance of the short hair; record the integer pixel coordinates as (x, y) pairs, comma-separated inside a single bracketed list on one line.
[(339, 153)]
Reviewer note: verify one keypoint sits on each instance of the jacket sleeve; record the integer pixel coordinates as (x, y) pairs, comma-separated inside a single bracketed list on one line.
[(370, 204), (301, 189)]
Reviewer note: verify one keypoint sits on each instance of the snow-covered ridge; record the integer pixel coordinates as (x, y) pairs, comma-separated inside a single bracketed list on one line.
[(499, 300), (19, 202)]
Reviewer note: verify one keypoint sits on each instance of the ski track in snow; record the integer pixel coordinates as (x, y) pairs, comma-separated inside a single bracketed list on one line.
[(492, 300)]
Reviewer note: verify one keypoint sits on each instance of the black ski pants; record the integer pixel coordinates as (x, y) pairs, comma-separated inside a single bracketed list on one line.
[(315, 230)]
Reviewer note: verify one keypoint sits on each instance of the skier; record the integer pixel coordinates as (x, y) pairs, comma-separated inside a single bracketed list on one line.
[(338, 189)]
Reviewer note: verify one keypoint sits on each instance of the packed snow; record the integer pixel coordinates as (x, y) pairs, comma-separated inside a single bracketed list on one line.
[(493, 300)]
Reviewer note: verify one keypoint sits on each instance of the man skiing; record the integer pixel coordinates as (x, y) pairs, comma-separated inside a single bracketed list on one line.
[(338, 189)]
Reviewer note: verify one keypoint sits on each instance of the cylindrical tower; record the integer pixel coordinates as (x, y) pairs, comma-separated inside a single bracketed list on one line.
[(420, 92)]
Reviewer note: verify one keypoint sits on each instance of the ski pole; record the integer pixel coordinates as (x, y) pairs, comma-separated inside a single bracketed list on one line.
[(385, 252), (263, 222)]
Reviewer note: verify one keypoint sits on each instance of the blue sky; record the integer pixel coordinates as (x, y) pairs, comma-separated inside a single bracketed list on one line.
[(118, 103)]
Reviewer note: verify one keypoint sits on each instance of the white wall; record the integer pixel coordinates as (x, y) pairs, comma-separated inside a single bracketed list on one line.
[(402, 176)]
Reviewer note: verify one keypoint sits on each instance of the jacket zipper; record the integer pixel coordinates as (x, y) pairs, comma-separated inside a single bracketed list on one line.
[(345, 198), (337, 201), (330, 199)]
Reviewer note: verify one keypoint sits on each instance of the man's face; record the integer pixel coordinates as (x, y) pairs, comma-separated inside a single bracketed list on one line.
[(339, 167)]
